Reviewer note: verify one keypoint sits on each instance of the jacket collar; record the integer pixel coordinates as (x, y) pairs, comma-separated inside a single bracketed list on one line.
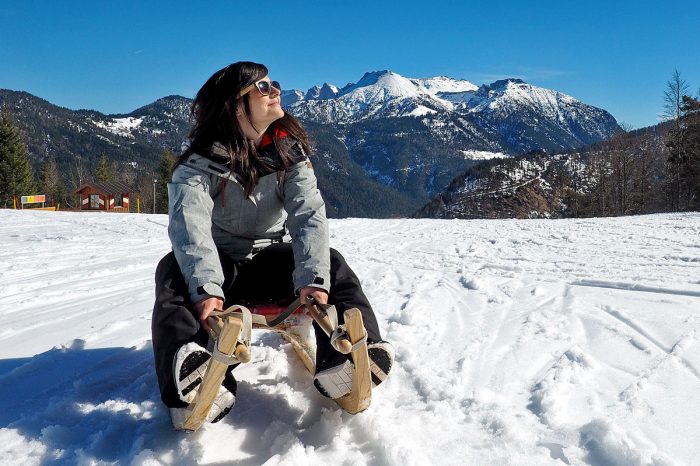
[(218, 149), (267, 138)]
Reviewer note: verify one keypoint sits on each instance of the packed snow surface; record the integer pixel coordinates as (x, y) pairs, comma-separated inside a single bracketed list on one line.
[(527, 342)]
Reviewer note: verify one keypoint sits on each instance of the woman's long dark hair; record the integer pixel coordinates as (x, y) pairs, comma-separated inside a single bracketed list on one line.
[(214, 113)]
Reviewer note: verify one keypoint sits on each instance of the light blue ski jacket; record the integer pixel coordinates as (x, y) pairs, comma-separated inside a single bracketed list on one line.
[(210, 213)]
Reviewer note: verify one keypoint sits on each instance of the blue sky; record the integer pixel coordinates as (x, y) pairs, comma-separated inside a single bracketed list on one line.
[(117, 56)]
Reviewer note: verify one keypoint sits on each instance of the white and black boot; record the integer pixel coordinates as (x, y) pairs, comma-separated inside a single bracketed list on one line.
[(334, 375), (189, 367), (381, 358)]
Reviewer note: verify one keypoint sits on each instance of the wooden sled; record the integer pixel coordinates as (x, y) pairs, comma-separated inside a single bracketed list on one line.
[(227, 331), (360, 397), (228, 327)]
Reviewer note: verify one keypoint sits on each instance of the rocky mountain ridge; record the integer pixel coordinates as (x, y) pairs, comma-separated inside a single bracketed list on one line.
[(399, 140)]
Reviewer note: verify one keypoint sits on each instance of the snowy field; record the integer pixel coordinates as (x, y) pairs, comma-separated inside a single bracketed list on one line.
[(523, 342)]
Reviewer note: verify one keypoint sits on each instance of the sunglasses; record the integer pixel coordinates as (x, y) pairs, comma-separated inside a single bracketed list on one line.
[(264, 87)]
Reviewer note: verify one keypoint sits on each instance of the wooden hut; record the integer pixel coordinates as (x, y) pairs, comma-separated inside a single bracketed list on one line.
[(109, 196)]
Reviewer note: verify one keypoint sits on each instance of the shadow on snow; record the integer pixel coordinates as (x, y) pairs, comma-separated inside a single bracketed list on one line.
[(104, 404)]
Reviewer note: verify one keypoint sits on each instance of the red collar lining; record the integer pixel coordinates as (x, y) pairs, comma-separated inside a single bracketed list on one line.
[(279, 134)]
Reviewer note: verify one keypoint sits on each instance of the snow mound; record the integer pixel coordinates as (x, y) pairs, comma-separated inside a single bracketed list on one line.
[(609, 444)]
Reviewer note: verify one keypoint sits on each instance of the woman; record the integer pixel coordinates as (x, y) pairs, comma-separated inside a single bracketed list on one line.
[(247, 225)]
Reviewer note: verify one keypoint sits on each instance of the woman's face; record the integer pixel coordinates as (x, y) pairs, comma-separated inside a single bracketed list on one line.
[(264, 109)]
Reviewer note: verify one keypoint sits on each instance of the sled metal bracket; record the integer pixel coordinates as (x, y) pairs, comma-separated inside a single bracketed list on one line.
[(326, 317)]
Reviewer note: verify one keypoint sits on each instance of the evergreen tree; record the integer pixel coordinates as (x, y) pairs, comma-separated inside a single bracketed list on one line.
[(51, 182), (16, 175), (164, 172), (103, 173), (691, 116)]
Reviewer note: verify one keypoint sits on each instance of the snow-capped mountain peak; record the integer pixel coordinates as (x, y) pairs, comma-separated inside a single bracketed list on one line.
[(536, 116), (384, 84), (445, 84), (377, 94), (290, 96), (506, 93), (327, 91)]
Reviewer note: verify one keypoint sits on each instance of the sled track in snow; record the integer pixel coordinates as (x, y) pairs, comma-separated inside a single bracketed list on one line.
[(635, 287)]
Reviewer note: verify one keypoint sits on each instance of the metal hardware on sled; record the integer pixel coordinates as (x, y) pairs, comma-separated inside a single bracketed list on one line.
[(326, 317)]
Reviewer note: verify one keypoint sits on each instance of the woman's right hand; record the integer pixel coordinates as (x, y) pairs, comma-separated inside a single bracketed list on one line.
[(204, 308)]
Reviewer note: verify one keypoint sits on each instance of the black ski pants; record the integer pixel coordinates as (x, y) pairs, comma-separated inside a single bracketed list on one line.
[(266, 278)]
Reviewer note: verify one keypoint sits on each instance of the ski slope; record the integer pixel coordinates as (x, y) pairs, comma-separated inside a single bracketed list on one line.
[(519, 342)]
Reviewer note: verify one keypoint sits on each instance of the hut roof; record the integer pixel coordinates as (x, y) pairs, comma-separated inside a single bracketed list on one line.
[(107, 188)]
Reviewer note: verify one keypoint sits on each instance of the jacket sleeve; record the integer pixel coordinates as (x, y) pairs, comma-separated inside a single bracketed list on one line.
[(308, 227), (190, 207)]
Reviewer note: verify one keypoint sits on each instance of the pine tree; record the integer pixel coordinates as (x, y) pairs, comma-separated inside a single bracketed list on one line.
[(51, 182), (16, 175), (164, 172), (691, 116), (103, 173)]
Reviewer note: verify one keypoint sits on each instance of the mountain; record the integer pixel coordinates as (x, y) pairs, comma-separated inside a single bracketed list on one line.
[(376, 95), (327, 91), (416, 135), (520, 187), (530, 117), (134, 142), (624, 175), (385, 145), (77, 138), (526, 117)]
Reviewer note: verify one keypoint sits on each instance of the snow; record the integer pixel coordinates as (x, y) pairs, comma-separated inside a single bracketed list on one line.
[(378, 94), (483, 155), (445, 84), (382, 84), (420, 110), (510, 95), (120, 126), (519, 342)]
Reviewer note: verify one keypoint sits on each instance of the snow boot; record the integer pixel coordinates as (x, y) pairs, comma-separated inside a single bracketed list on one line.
[(381, 358), (189, 367), (334, 375)]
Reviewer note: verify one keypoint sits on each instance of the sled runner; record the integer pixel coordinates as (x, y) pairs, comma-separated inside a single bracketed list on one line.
[(231, 331), (231, 347)]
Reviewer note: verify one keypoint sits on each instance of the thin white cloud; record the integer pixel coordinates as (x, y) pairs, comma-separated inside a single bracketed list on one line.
[(525, 73), (543, 73)]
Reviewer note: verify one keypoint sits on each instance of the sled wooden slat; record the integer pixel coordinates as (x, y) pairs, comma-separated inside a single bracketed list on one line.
[(301, 349), (360, 396), (214, 376), (226, 332)]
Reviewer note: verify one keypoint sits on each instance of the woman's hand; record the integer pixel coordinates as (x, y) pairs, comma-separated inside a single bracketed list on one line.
[(320, 296), (205, 307)]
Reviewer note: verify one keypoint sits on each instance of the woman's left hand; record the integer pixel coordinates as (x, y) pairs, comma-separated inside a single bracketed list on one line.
[(320, 296)]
